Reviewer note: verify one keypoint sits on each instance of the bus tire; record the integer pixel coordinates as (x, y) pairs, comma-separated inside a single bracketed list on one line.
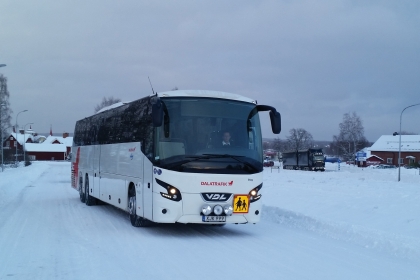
[(81, 194), (89, 200), (136, 221)]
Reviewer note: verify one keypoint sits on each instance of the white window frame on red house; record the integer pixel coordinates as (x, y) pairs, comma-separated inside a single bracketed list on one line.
[(389, 160)]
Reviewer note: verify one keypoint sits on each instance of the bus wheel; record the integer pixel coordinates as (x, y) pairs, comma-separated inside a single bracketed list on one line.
[(89, 200), (136, 221), (81, 194)]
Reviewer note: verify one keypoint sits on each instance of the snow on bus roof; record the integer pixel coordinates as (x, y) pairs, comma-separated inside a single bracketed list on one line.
[(115, 105), (191, 93), (206, 93)]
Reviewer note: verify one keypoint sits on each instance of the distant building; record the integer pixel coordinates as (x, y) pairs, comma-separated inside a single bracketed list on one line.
[(387, 149), (36, 147), (374, 160), (37, 151), (65, 140)]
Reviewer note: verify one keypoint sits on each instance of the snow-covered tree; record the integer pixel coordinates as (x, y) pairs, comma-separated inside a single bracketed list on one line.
[(106, 102), (351, 137)]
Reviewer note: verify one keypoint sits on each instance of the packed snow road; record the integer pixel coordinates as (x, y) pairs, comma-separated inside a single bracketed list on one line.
[(47, 233)]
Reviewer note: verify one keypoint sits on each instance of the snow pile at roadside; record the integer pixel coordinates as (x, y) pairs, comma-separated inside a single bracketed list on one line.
[(366, 207)]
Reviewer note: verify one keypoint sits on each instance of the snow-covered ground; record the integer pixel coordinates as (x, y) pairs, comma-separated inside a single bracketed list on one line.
[(348, 224)]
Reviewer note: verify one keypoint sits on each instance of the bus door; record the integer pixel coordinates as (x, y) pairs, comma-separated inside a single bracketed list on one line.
[(148, 189)]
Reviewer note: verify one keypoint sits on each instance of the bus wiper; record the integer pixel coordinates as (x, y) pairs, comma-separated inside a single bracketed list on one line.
[(234, 157), (222, 156)]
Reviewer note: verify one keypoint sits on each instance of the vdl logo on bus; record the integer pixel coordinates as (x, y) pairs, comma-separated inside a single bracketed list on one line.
[(216, 196)]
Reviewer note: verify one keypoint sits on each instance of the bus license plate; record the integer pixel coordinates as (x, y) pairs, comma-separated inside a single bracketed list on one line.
[(214, 218)]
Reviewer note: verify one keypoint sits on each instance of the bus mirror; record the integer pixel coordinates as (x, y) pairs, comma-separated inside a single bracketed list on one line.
[(157, 114), (275, 117)]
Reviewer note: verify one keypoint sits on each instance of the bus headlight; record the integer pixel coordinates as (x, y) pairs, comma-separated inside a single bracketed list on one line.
[(172, 192), (253, 194), (228, 210), (218, 210), (206, 210)]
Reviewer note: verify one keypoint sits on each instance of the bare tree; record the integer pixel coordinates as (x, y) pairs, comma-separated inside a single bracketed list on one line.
[(299, 139), (351, 137), (279, 145), (5, 111), (106, 102)]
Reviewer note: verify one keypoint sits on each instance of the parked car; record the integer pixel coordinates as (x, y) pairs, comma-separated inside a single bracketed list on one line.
[(268, 163), (385, 166), (410, 166)]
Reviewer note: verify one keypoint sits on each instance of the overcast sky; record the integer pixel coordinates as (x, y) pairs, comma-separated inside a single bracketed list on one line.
[(312, 60)]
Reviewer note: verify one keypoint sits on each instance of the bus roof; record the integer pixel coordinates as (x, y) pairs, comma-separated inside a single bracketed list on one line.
[(206, 93), (191, 93)]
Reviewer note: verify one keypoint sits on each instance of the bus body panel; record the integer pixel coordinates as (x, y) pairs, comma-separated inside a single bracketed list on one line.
[(147, 199), (173, 209), (120, 165), (192, 187), (87, 155), (205, 182), (96, 171)]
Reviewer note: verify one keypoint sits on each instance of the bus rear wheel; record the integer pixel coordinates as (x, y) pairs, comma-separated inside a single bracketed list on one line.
[(81, 194), (89, 200), (136, 221)]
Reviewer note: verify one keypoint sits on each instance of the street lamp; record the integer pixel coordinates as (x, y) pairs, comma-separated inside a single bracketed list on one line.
[(1, 128), (24, 141), (16, 131), (1, 137), (399, 146)]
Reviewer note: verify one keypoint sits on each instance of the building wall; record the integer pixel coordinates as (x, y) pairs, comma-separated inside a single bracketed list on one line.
[(394, 156), (48, 155)]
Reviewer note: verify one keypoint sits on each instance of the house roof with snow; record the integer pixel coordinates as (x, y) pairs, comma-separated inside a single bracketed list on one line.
[(390, 143), (22, 137), (373, 157), (68, 141), (35, 147)]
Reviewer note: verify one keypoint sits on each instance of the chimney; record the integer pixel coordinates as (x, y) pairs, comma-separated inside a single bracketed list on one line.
[(65, 134), (21, 131)]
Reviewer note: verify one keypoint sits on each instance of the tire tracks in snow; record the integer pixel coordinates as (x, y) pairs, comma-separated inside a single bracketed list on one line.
[(397, 245)]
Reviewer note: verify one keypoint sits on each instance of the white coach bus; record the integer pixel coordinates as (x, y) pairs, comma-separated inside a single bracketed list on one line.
[(161, 158)]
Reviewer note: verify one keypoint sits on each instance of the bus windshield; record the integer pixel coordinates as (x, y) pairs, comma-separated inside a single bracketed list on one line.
[(205, 135)]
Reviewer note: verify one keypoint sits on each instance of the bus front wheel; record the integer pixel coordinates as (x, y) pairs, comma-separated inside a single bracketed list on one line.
[(136, 221)]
